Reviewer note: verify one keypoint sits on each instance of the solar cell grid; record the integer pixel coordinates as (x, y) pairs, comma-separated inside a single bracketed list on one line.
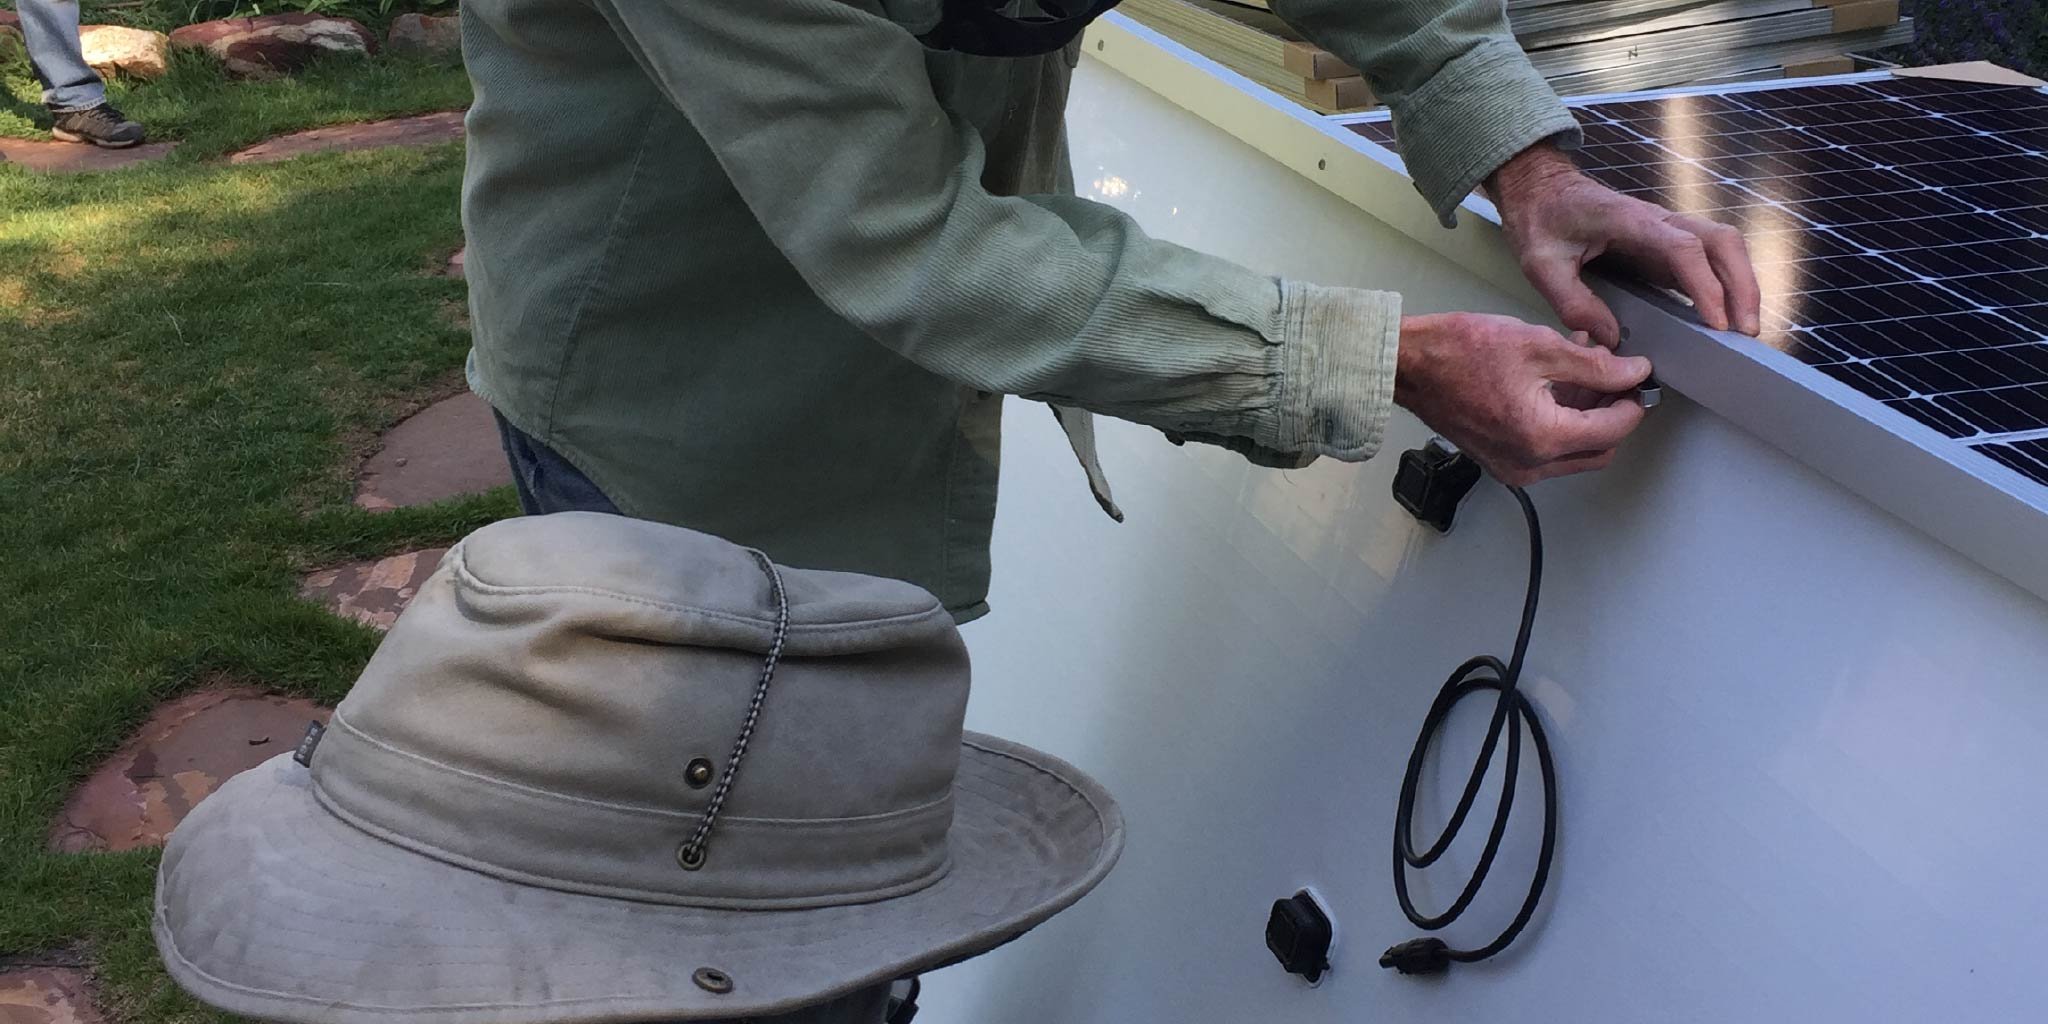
[(1983, 99), (2000, 120), (1931, 232), (2017, 199), (1783, 165), (1788, 241), (1852, 112), (1961, 147), (1833, 272), (1900, 228), (1866, 209), (1952, 261), (1834, 185), (2013, 288), (2033, 138), (2033, 316), (1601, 132), (2029, 457), (1807, 96), (1988, 170)]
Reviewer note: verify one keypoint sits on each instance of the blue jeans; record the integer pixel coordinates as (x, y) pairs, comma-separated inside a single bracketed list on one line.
[(546, 481), (51, 29)]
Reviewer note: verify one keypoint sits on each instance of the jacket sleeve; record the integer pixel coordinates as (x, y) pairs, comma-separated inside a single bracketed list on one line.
[(823, 115), (1463, 95)]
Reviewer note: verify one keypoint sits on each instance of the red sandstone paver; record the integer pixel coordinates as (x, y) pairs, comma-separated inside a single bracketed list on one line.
[(73, 157), (372, 592), (46, 995), (178, 758), (424, 130), (448, 449)]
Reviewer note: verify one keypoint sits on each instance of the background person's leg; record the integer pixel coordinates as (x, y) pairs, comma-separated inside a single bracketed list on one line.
[(51, 29), (71, 88)]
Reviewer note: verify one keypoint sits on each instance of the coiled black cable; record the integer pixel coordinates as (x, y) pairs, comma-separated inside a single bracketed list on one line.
[(1431, 955)]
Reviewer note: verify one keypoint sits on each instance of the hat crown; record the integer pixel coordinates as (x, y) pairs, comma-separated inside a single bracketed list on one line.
[(537, 710)]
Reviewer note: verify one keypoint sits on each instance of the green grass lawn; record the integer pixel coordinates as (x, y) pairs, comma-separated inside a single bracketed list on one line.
[(210, 115), (193, 355), (165, 15)]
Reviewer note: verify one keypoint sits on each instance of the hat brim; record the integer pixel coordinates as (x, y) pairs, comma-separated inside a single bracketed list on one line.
[(270, 906)]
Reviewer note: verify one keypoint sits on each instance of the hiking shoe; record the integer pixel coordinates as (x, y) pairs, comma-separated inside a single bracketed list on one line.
[(102, 126)]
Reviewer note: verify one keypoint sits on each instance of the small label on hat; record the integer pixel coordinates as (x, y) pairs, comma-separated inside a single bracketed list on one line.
[(304, 755)]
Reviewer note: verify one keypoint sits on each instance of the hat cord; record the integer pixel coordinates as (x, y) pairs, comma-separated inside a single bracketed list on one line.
[(692, 853)]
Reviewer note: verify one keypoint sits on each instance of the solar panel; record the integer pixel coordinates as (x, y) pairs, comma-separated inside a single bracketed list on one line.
[(1899, 225)]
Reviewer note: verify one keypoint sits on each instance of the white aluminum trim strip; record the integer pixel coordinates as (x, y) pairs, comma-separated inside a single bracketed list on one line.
[(1613, 17), (1681, 18), (1707, 63), (1850, 78), (1660, 47), (1968, 501)]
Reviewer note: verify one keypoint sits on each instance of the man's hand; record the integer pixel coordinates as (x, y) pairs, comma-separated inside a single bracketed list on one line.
[(1558, 220), (1524, 401)]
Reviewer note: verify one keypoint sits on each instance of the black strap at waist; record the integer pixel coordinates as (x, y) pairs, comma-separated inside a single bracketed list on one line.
[(980, 28)]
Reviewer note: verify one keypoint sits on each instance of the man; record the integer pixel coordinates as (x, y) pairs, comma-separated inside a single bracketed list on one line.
[(765, 268), (71, 88)]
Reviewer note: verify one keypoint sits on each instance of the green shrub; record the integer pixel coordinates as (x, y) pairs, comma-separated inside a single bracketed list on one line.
[(2013, 33)]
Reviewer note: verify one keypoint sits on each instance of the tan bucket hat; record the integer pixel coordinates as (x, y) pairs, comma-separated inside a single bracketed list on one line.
[(575, 784)]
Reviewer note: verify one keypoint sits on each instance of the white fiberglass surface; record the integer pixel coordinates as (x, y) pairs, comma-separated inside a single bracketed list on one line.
[(1794, 735)]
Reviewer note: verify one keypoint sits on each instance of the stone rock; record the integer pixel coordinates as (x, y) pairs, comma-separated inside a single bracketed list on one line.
[(272, 43), (12, 46), (46, 995), (423, 130), (178, 758), (9, 19), (456, 264), (70, 157), (446, 450), (372, 592), (423, 33), (137, 53)]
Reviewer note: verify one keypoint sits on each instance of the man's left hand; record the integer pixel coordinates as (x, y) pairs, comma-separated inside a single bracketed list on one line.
[(1557, 220)]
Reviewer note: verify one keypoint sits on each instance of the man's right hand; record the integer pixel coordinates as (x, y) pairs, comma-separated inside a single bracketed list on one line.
[(1526, 402)]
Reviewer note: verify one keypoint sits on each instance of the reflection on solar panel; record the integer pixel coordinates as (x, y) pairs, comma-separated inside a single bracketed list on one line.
[(1900, 229)]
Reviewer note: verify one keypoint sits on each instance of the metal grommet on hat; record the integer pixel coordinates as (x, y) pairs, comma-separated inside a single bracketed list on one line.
[(690, 856), (712, 980), (698, 773)]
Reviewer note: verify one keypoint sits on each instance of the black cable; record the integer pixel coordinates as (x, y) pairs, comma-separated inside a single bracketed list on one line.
[(1431, 955)]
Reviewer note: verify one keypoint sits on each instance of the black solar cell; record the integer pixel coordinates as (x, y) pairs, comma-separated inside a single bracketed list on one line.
[(1900, 228)]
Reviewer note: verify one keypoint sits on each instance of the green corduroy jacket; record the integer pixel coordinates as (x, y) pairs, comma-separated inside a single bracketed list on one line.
[(765, 268)]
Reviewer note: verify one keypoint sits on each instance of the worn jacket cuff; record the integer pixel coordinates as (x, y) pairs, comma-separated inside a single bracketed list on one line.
[(1337, 381), (1470, 117)]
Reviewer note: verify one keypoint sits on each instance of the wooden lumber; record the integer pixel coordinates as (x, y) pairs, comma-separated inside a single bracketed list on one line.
[(1200, 24), (1312, 62), (1821, 68), (1858, 15), (1341, 94), (1295, 69)]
